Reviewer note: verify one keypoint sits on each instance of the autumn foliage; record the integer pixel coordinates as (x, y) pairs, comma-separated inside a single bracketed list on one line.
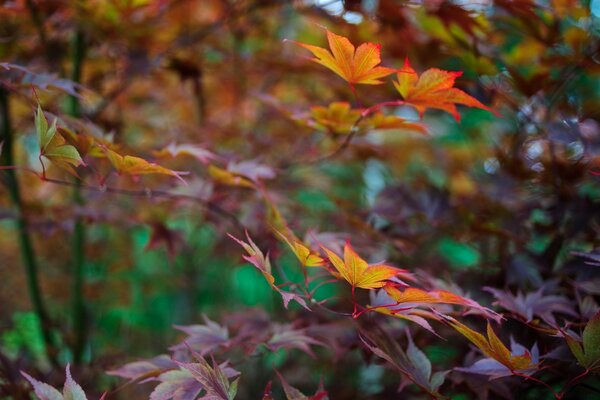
[(298, 200)]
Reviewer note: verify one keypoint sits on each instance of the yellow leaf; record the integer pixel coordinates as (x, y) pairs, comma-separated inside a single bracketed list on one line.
[(357, 272), (131, 165)]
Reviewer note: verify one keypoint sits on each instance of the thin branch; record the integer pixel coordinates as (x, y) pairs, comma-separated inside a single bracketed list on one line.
[(149, 193)]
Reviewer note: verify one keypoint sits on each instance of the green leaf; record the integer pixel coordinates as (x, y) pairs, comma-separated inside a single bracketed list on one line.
[(67, 153), (591, 342), (41, 125)]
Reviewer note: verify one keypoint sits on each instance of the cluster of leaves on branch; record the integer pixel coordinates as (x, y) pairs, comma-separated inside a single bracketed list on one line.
[(368, 227)]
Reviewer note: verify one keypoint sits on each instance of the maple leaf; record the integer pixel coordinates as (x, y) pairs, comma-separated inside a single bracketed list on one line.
[(203, 338), (412, 363), (261, 261), (434, 88), (493, 347), (71, 390), (587, 351), (338, 117), (494, 369), (184, 384), (358, 273), (131, 165), (162, 234), (53, 145), (533, 304), (354, 65), (286, 337), (214, 379), (144, 369), (306, 256), (291, 393)]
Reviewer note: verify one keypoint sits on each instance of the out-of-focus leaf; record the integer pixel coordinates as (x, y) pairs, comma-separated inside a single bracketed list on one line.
[(43, 81), (380, 121), (71, 390), (229, 178), (203, 339), (144, 369), (131, 165), (175, 150), (286, 337), (291, 393), (587, 352), (338, 117), (534, 304)]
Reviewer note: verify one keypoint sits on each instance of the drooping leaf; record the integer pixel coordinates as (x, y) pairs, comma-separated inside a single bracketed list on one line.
[(131, 165), (495, 369), (354, 65), (225, 177), (493, 347), (434, 88), (358, 273)]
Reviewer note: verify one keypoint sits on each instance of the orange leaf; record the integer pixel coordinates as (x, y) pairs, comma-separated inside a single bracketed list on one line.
[(357, 272), (434, 88), (354, 65), (131, 165)]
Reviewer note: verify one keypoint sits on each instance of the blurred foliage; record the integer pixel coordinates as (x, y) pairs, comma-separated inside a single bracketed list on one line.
[(510, 203)]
